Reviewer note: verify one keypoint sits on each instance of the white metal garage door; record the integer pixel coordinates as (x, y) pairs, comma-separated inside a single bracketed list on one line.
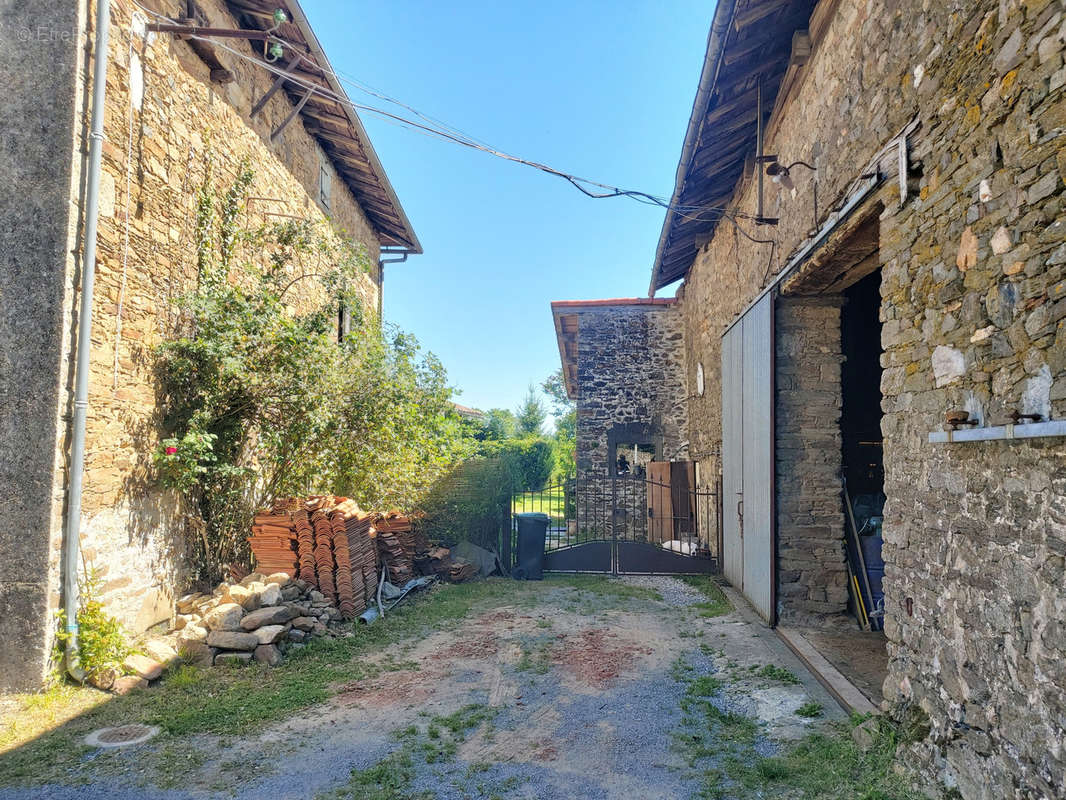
[(748, 455)]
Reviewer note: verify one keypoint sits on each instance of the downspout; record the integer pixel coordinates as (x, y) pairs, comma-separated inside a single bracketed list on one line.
[(381, 274), (83, 344)]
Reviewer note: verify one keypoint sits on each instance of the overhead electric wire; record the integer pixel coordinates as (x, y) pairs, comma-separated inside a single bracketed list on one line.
[(446, 132)]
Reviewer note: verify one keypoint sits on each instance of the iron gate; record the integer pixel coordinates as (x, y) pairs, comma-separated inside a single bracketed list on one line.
[(622, 524)]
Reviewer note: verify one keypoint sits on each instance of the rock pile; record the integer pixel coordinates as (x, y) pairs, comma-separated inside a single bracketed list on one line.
[(259, 618)]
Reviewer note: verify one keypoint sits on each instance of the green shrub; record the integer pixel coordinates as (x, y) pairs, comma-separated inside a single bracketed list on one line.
[(531, 460), (102, 642), (472, 502), (262, 400)]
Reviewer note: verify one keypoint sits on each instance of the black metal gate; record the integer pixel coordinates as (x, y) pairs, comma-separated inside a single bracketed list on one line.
[(622, 524)]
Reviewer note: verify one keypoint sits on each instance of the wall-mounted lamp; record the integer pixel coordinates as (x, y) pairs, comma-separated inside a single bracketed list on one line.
[(780, 174)]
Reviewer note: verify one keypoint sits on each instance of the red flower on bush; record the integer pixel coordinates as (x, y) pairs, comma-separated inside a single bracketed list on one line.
[(171, 451)]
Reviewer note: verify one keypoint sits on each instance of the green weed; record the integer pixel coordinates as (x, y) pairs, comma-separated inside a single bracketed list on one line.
[(809, 710), (775, 673), (716, 604)]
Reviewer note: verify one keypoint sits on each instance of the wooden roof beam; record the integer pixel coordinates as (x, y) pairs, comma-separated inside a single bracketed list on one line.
[(757, 12), (262, 101)]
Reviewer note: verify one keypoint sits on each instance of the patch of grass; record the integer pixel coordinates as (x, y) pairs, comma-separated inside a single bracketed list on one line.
[(809, 710), (390, 778), (386, 780), (775, 673), (704, 686), (825, 766), (716, 604), (544, 502), (535, 658), (233, 701), (604, 587)]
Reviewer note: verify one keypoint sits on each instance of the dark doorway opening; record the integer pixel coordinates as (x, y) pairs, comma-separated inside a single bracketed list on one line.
[(863, 469), (860, 380)]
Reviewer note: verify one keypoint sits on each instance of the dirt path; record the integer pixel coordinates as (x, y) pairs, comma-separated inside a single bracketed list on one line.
[(567, 692)]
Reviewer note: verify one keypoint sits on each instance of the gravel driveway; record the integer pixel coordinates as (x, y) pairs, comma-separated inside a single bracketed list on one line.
[(571, 691)]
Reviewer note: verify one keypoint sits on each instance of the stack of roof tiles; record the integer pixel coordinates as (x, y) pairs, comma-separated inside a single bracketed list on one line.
[(363, 553), (396, 546), (273, 535), (305, 545), (324, 553), (327, 541)]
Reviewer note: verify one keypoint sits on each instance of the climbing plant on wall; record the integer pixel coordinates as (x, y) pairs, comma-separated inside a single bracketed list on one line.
[(262, 395)]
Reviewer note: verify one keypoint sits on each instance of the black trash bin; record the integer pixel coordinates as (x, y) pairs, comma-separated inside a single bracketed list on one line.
[(532, 529)]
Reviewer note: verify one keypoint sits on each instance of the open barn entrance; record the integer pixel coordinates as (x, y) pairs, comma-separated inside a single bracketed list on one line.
[(829, 459)]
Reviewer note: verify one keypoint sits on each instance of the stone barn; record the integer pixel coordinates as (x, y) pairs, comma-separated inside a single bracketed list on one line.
[(869, 232), (176, 107)]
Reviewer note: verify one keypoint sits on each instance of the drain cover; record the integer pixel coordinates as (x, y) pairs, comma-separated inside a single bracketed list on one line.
[(121, 736)]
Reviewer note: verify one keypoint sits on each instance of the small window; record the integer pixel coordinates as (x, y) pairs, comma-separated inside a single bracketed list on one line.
[(632, 458)]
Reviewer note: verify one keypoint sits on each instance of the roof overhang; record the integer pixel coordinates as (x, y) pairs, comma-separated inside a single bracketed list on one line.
[(750, 44), (335, 124), (565, 314)]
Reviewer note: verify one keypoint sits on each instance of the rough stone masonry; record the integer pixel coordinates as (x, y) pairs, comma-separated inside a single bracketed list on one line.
[(168, 127), (973, 288)]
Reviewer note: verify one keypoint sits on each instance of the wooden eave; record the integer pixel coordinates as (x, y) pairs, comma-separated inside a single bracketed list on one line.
[(334, 124), (751, 42)]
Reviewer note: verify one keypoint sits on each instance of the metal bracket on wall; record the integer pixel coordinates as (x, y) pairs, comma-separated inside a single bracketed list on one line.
[(1030, 430)]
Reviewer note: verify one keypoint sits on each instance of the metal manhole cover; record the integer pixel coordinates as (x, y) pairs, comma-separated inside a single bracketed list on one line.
[(121, 736)]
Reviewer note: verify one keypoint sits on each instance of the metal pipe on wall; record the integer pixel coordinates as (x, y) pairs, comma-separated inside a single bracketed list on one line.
[(83, 345)]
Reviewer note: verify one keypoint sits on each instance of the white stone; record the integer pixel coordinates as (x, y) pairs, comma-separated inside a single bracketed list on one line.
[(919, 73), (949, 365), (270, 596), (226, 617), (1036, 399), (269, 634), (1000, 241), (981, 334), (984, 193)]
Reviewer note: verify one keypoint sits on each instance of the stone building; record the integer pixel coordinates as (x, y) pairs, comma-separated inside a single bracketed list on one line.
[(869, 224), (627, 357), (173, 104)]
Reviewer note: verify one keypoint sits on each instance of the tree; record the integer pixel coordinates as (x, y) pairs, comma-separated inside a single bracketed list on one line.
[(564, 410), (530, 415), (499, 424), (555, 388)]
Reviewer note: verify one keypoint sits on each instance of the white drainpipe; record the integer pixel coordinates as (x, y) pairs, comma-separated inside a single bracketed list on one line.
[(84, 343)]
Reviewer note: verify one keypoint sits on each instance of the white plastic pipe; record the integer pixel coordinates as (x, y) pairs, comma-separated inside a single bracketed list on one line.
[(83, 345)]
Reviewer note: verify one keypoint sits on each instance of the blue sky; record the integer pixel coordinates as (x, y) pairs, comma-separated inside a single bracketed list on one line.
[(598, 89)]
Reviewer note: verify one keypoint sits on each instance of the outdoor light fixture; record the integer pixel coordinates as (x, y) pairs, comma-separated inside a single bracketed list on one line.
[(781, 175)]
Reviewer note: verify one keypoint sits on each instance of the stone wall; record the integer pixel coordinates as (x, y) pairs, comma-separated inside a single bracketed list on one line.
[(165, 121), (811, 576), (973, 307), (631, 381)]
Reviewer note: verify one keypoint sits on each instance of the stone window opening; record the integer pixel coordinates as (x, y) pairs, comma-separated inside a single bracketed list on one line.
[(632, 459), (631, 447)]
